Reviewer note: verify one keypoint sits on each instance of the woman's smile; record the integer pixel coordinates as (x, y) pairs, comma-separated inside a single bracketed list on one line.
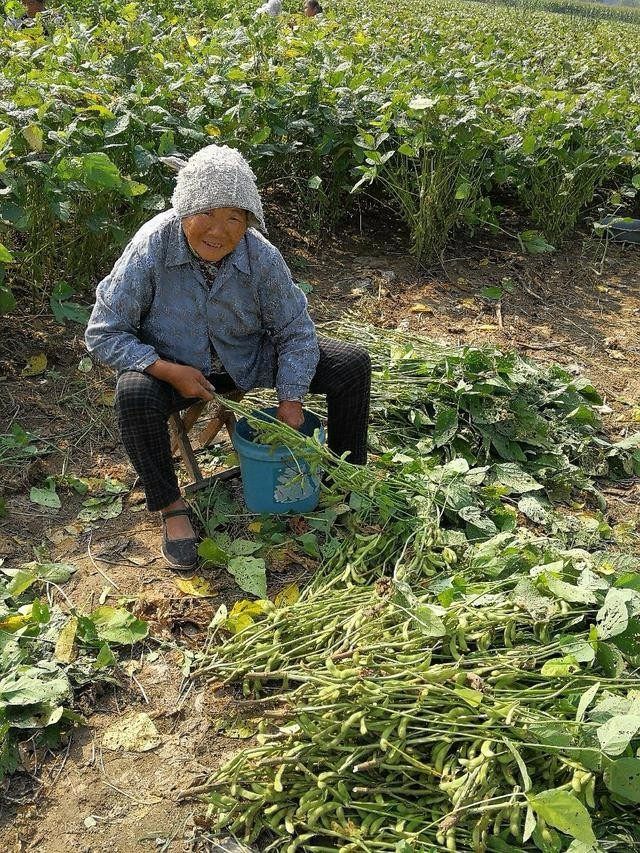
[(216, 233)]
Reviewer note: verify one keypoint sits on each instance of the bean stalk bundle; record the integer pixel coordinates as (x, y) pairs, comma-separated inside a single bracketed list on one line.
[(428, 719)]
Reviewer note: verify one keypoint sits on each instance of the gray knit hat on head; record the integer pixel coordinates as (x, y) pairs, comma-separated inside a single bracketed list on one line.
[(217, 176)]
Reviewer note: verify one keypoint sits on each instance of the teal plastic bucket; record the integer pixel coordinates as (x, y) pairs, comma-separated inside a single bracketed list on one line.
[(273, 480)]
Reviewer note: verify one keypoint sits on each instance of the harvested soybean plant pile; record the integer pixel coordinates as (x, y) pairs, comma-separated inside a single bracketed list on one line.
[(461, 672)]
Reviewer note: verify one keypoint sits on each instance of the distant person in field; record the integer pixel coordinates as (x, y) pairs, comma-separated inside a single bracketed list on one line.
[(200, 301), (273, 8), (312, 8)]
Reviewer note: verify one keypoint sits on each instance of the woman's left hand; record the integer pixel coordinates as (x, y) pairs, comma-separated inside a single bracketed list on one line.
[(290, 413)]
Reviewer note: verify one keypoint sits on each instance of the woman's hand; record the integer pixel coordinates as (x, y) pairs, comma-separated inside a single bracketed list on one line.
[(290, 413), (187, 381)]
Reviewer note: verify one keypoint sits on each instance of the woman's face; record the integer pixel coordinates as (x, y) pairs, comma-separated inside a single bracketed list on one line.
[(214, 234)]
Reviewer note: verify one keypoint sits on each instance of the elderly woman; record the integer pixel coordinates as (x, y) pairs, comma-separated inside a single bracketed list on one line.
[(201, 301)]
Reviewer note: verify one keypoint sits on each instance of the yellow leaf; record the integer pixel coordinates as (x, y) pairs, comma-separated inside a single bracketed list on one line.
[(64, 646), (130, 12), (255, 526), (106, 399), (34, 136), (468, 303), (16, 620), (192, 41), (635, 415), (243, 612), (212, 130), (421, 308), (485, 327), (484, 262), (132, 733), (196, 586), (289, 595), (35, 364)]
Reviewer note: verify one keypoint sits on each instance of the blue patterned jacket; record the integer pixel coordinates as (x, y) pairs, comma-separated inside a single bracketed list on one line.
[(155, 304)]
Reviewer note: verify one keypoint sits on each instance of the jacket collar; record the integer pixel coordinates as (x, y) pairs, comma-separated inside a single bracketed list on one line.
[(178, 252)]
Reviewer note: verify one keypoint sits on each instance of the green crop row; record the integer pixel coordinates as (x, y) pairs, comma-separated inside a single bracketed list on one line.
[(445, 112)]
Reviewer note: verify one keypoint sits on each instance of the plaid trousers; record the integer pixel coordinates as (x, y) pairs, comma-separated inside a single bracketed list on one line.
[(144, 403)]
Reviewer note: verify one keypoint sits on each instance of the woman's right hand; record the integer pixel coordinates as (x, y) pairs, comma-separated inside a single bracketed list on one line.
[(188, 381)]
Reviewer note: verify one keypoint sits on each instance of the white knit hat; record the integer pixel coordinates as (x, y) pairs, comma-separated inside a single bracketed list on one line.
[(217, 176)]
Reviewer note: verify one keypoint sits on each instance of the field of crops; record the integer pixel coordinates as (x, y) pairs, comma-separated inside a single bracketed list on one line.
[(456, 668), (451, 114)]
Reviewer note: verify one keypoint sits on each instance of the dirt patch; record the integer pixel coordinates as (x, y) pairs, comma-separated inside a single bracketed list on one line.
[(576, 307)]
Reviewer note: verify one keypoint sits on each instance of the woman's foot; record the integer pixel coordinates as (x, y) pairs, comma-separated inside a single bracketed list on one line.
[(179, 543)]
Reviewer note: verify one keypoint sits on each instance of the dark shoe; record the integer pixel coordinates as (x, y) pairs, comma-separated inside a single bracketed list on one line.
[(180, 554)]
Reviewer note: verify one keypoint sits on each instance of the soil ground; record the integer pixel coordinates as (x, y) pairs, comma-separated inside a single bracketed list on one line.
[(579, 306)]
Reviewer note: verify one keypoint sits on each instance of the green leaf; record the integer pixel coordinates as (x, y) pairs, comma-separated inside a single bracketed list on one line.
[(244, 547), (45, 497), (446, 425), (32, 688), (492, 292), (104, 658), (534, 243), (7, 300), (5, 255), (250, 575), (526, 779), (622, 778), (617, 733), (585, 700), (429, 621), (564, 812), (5, 136), (511, 475), (99, 172), (610, 660), (315, 182), (100, 508), (613, 617), (210, 551), (560, 667), (568, 591), (534, 509), (51, 572), (422, 103), (20, 582), (117, 625), (578, 648), (463, 190)]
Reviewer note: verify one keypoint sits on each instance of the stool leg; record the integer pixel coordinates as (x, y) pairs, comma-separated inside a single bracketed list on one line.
[(190, 417), (186, 451)]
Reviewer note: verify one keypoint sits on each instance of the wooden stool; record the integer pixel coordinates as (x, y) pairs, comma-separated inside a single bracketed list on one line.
[(181, 424)]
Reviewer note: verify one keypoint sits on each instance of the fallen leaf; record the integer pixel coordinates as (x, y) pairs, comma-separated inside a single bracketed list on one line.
[(64, 646), (421, 308), (132, 733), (196, 586), (85, 364), (289, 595), (106, 399), (45, 497), (256, 526), (35, 364)]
